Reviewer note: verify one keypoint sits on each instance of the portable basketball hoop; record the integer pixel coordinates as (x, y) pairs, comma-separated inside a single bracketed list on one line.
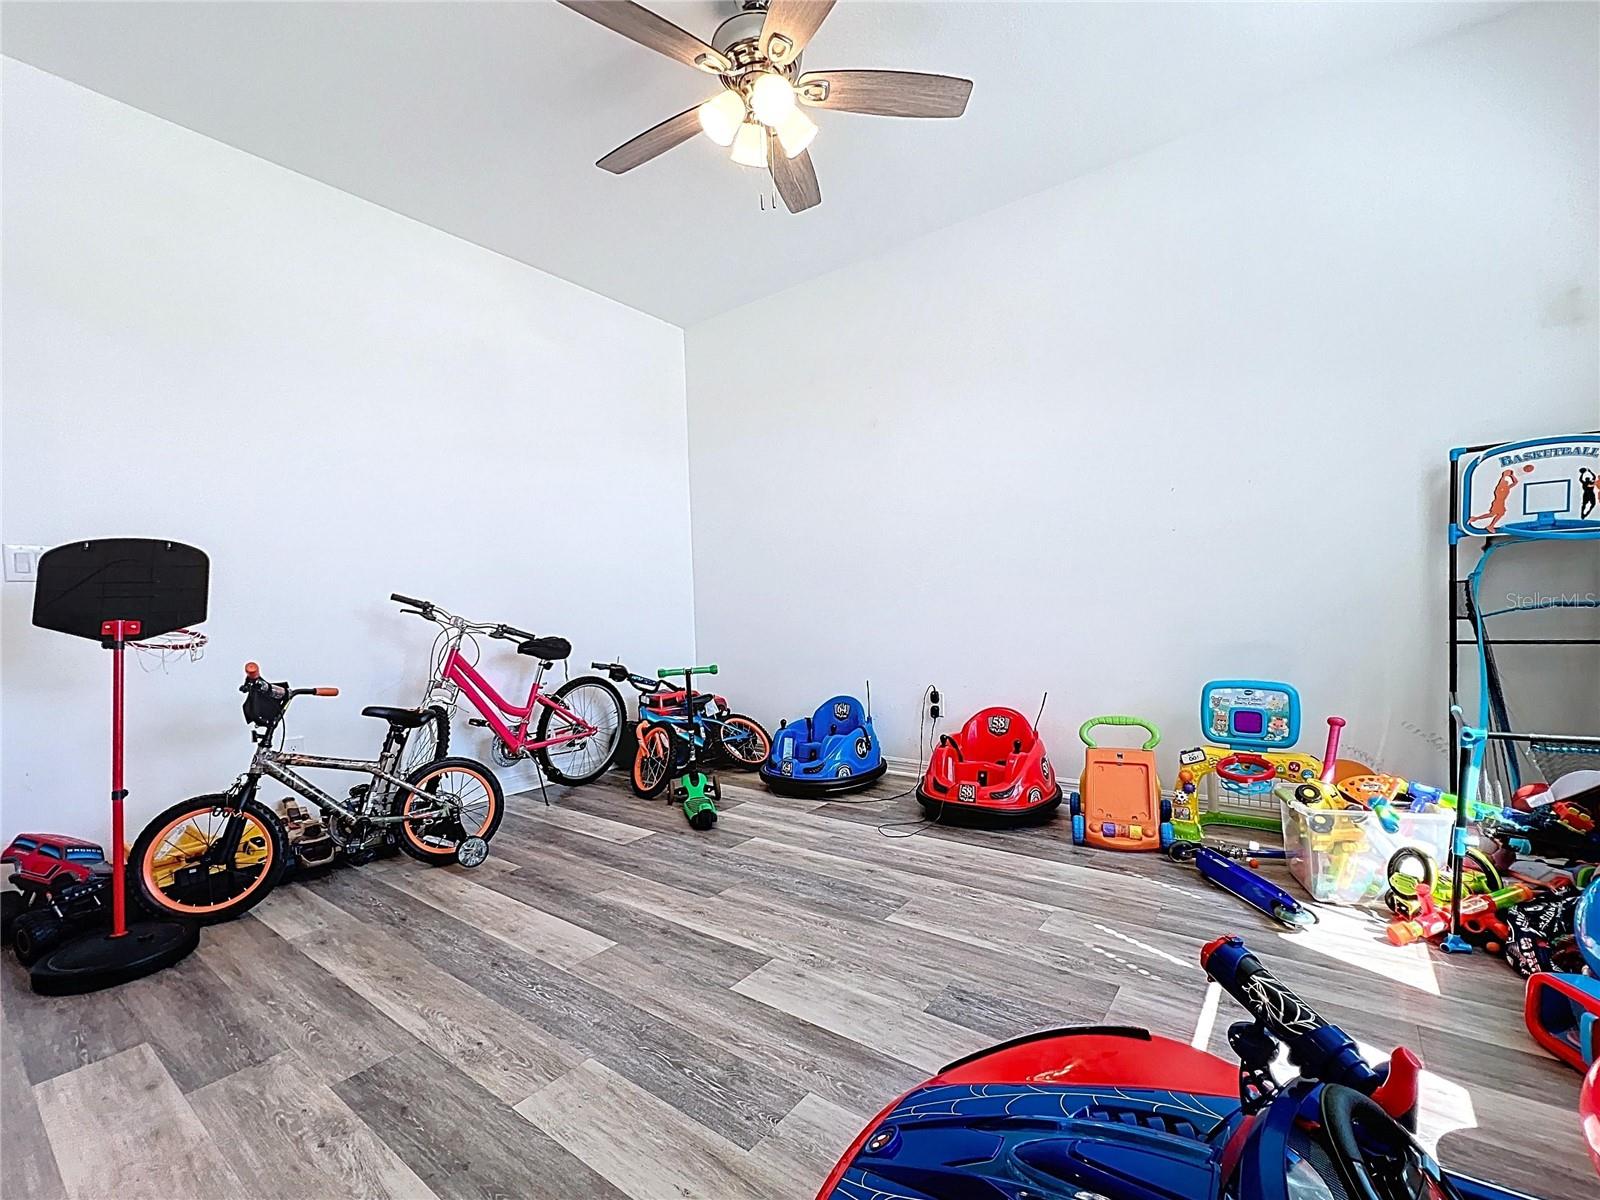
[(120, 592)]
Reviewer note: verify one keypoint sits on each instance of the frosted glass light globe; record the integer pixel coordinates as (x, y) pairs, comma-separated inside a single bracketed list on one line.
[(771, 98)]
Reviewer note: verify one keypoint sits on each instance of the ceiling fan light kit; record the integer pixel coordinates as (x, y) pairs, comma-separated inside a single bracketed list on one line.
[(721, 116), (759, 114), (750, 145)]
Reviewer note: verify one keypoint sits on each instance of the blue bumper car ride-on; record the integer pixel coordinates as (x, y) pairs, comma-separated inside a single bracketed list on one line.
[(1114, 1113), (831, 752)]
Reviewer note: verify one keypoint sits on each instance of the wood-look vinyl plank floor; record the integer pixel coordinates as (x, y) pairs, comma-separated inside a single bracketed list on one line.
[(616, 1005), (120, 1127), (282, 1128)]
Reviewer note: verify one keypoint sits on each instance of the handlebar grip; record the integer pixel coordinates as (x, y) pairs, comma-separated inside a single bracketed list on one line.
[(399, 599), (1321, 1051), (324, 691), (252, 671), (666, 672)]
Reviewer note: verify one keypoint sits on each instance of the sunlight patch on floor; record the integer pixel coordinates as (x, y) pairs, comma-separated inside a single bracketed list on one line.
[(1208, 1016), (1442, 1105), (1355, 938), (1145, 946)]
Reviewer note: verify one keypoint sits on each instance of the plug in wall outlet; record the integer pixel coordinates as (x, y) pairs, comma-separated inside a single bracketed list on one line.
[(935, 703), (22, 563)]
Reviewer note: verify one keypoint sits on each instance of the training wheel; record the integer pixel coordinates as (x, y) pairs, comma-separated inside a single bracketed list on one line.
[(470, 852)]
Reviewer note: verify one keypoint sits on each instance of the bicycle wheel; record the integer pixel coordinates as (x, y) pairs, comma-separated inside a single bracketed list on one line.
[(742, 740), (652, 762), (184, 867), (453, 799), (584, 759), (427, 741)]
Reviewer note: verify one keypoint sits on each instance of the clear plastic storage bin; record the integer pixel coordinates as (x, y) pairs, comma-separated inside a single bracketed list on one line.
[(1339, 855)]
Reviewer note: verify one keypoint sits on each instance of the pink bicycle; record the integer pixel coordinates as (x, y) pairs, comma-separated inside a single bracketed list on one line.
[(575, 734)]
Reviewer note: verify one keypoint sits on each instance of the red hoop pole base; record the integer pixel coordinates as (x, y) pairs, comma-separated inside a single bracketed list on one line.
[(102, 960)]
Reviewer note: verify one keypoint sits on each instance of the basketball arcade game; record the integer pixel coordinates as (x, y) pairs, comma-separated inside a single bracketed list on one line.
[(1526, 493)]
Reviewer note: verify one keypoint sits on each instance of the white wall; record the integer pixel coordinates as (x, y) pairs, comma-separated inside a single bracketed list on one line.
[(334, 402), (1182, 419)]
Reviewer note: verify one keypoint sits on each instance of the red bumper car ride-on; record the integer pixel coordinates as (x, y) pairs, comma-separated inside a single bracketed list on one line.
[(995, 768)]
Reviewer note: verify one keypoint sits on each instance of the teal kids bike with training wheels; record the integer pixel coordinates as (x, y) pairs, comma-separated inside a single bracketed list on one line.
[(682, 733)]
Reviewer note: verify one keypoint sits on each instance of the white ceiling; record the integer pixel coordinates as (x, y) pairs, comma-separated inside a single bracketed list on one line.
[(485, 119)]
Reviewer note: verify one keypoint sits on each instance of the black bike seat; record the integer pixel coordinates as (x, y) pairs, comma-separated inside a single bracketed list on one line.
[(549, 649), (406, 718)]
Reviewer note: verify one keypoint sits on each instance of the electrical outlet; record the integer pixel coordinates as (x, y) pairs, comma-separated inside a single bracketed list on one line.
[(295, 745), (935, 703), (22, 563)]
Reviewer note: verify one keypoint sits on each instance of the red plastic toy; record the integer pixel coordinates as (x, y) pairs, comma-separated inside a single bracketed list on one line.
[(63, 885), (995, 766), (1589, 1111), (45, 861)]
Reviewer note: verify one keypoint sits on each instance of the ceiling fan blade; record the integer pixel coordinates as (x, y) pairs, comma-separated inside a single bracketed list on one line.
[(789, 26), (658, 139), (886, 93), (795, 177), (639, 24)]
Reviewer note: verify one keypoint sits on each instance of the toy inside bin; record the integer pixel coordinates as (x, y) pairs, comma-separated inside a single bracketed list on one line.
[(1339, 855)]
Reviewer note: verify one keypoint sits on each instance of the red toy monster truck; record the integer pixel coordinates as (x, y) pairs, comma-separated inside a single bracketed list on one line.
[(63, 884)]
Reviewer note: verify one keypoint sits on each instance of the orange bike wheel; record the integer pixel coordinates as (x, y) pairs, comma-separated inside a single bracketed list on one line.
[(652, 761), (171, 867), (475, 795)]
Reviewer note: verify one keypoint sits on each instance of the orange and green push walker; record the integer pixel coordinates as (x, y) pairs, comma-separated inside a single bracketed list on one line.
[(1118, 804)]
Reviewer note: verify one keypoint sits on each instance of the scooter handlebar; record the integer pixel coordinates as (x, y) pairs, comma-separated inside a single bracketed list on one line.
[(1321, 1051)]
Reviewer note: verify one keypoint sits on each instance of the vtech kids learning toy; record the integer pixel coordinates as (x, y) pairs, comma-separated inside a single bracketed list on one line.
[(1119, 1113), (1253, 725), (994, 767), (1118, 804), (834, 750)]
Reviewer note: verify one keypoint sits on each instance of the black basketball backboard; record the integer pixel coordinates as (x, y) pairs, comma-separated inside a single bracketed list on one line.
[(82, 585)]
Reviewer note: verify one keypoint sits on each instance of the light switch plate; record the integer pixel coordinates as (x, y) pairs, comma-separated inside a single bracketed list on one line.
[(22, 562)]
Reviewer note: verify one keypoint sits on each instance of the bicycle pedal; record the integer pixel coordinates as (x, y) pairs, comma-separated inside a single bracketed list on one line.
[(477, 722)]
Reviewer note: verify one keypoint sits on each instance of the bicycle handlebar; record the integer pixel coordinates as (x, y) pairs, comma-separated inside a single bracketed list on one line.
[(619, 673), (252, 679), (1321, 1051), (666, 672), (428, 610)]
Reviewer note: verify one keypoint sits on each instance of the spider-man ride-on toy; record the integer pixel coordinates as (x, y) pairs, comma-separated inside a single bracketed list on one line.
[(1114, 1113)]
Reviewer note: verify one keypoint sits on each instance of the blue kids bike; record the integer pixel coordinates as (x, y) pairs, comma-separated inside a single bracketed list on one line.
[(682, 731)]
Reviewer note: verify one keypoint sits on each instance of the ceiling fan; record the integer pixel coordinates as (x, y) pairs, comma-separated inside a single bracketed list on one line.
[(760, 112)]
